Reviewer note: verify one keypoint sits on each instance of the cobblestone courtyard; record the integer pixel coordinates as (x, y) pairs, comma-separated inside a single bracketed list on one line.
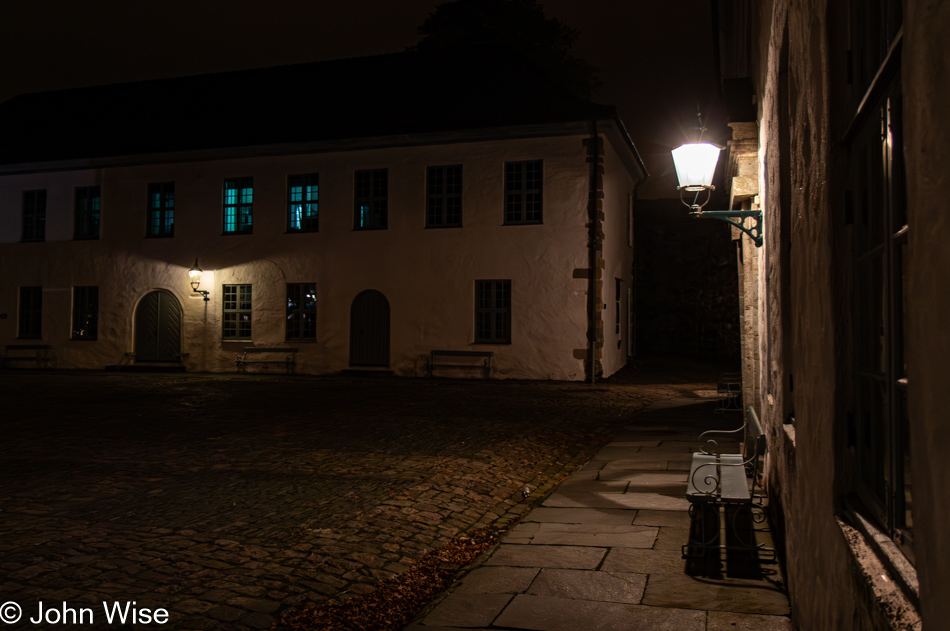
[(227, 500)]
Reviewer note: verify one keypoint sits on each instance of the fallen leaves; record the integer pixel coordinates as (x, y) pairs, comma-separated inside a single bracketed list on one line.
[(394, 604)]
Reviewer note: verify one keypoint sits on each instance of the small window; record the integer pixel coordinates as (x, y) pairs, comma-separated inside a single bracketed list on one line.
[(302, 203), (523, 192), (161, 210), (85, 313), (30, 313), (493, 312), (238, 205), (87, 213), (237, 312), (302, 311), (34, 215), (444, 197), (371, 200)]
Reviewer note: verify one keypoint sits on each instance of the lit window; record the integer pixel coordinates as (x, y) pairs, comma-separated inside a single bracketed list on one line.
[(34, 215), (523, 184), (237, 312), (87, 213), (238, 205), (161, 210), (371, 211), (302, 311), (302, 203)]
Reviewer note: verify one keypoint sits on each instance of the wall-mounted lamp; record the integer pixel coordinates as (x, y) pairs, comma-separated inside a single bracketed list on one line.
[(195, 275), (695, 164)]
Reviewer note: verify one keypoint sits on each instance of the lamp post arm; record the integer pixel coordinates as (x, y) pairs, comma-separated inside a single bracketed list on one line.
[(754, 232)]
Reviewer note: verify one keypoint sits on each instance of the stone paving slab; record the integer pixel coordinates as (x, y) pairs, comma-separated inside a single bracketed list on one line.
[(595, 486), (644, 561), (728, 621), (640, 479), (566, 557), (676, 519), (546, 613), (680, 590), (467, 610), (594, 535), (651, 501), (610, 516), (498, 580), (615, 587)]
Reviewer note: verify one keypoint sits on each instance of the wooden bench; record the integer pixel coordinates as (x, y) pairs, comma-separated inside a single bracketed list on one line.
[(267, 357), (729, 392), (38, 353), (720, 480), (482, 360)]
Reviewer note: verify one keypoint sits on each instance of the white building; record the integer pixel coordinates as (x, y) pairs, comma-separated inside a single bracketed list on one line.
[(365, 232)]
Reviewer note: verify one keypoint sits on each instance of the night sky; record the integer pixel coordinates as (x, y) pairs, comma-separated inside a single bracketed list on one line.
[(655, 59)]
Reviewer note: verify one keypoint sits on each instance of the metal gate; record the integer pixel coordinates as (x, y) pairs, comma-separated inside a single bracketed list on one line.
[(369, 329), (158, 328)]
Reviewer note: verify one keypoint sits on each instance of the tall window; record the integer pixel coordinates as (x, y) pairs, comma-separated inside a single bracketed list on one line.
[(444, 197), (302, 311), (493, 311), (161, 210), (237, 312), (87, 213), (85, 324), (879, 426), (30, 313), (523, 192), (34, 215), (618, 287), (238, 205), (371, 208), (302, 203)]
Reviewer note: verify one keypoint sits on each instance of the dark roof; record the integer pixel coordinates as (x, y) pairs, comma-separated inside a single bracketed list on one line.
[(403, 93)]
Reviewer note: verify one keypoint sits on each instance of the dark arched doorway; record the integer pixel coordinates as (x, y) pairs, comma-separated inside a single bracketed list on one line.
[(369, 329), (158, 328)]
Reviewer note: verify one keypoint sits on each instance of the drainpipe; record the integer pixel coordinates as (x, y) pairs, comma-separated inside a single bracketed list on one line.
[(593, 157)]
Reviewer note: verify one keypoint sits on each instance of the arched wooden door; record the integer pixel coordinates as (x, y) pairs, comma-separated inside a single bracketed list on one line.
[(158, 328), (369, 329)]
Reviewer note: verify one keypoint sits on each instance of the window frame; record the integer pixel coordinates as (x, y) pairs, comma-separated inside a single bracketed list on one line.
[(312, 222), (492, 311), (878, 423), (241, 210), (34, 216), (296, 315), (518, 194), (85, 299), (447, 193), (236, 312), (160, 219), (30, 316), (87, 217), (377, 204)]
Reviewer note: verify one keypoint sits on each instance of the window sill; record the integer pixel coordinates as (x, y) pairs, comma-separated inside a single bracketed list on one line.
[(523, 223), (236, 234), (315, 230), (159, 236), (888, 578), (451, 225)]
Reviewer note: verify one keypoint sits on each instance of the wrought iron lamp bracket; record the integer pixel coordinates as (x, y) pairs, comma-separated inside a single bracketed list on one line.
[(202, 292), (754, 232)]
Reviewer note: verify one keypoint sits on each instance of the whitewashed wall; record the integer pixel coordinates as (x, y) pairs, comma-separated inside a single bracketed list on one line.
[(427, 275)]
